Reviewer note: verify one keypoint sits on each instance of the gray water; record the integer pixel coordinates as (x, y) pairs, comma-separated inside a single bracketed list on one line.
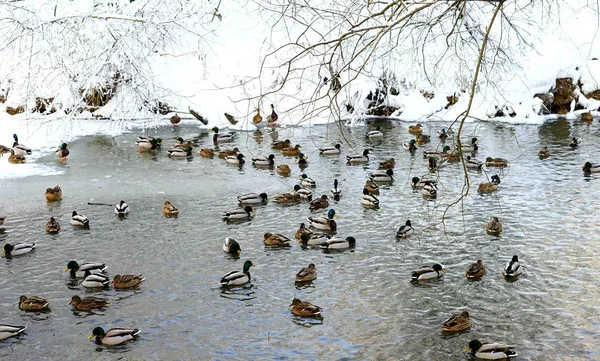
[(370, 308)]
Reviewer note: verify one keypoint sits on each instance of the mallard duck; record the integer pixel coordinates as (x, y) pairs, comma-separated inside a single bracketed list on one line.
[(272, 118), (379, 176), (575, 142), (53, 194), (207, 152), (387, 164), (15, 159), (288, 198), (302, 160), (253, 198), (319, 203), (180, 153), (475, 270), (357, 158), (302, 192), (472, 163), (302, 230), (192, 142), (544, 153), (307, 181), (257, 118), (175, 119), (429, 190), (494, 227), (324, 223), (427, 273), (282, 144), (415, 129), (95, 280), (20, 149), (590, 167), (292, 151), (473, 147), (304, 309), (121, 209), (148, 143), (443, 134), (283, 169), (127, 281), (52, 226), (33, 303), (7, 331), (490, 186), (417, 183), (496, 162), (375, 133), (237, 278), (339, 243), (490, 351), (405, 230), (239, 214), (262, 161), (238, 159), (222, 137), (307, 274), (276, 240), (435, 153), (230, 118), (336, 192), (4, 150), (313, 239), (114, 336), (231, 246), (434, 163), (79, 270), (410, 146), (372, 187), (457, 322), (2, 219), (335, 150), (369, 200), (62, 152), (422, 139), (169, 209), (88, 303), (512, 268), (11, 250), (229, 152)]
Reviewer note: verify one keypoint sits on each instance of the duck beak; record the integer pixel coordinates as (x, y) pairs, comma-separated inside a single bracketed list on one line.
[(335, 216), (66, 269), (90, 336), (3, 252), (239, 251), (253, 212), (443, 270), (467, 349)]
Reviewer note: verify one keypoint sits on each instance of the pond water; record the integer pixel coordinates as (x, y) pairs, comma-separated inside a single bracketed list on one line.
[(371, 310)]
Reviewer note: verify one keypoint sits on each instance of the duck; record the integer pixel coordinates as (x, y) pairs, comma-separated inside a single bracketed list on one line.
[(427, 273), (443, 133), (372, 187), (490, 186), (62, 152), (307, 274), (336, 192), (435, 164), (207, 152), (257, 118), (375, 133), (302, 192), (288, 198), (496, 162), (148, 143), (7, 331), (52, 226), (472, 148), (180, 153), (472, 163), (229, 152), (262, 161), (53, 194), (304, 309), (238, 159), (590, 167), (303, 230), (490, 351), (302, 160), (175, 119), (422, 139), (121, 209), (405, 230), (2, 219), (457, 322), (282, 144), (475, 270), (380, 177), (334, 150), (114, 336), (239, 214), (283, 169), (369, 200), (11, 250), (127, 281), (169, 209), (544, 153), (494, 227), (88, 303), (192, 142), (357, 158), (4, 150), (387, 164), (324, 223), (272, 118), (20, 149), (292, 151), (575, 142), (429, 190), (95, 280), (307, 181), (415, 129), (253, 198), (319, 203), (410, 146), (33, 303), (313, 239), (79, 270), (276, 240), (512, 268), (417, 183), (237, 278), (435, 153), (339, 243), (231, 246), (222, 137), (13, 158)]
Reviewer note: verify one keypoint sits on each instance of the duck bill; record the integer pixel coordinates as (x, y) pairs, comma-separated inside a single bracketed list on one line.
[(253, 212), (90, 336), (335, 216), (66, 269), (3, 252)]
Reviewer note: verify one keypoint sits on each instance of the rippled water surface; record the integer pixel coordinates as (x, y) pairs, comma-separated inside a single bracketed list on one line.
[(370, 309)]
